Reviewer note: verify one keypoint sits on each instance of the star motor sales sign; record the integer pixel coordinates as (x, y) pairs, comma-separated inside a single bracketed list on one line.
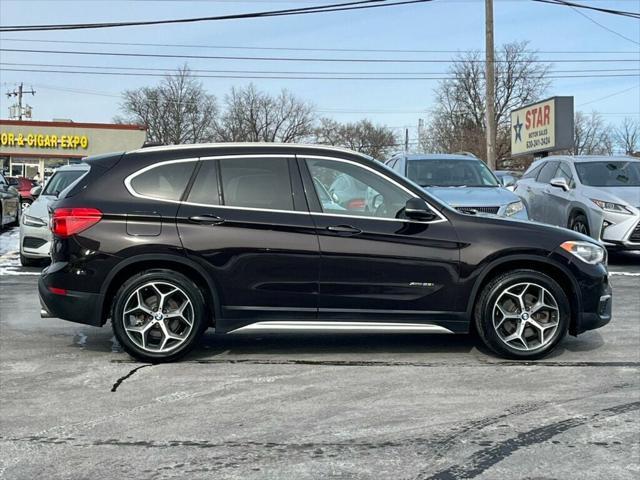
[(542, 127)]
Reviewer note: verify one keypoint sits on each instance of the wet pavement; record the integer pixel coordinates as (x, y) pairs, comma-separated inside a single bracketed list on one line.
[(73, 406)]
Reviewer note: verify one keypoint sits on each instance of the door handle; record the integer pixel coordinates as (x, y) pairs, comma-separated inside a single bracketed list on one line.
[(207, 219), (344, 229)]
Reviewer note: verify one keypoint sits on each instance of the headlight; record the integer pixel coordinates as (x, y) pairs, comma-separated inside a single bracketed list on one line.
[(33, 221), (612, 207), (514, 208), (585, 251)]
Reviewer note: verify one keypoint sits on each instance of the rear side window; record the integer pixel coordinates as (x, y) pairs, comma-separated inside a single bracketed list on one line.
[(533, 172), (547, 172), (256, 183), (205, 187), (164, 182)]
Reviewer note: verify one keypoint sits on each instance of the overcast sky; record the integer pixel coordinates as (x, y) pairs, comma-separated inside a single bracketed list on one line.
[(439, 25)]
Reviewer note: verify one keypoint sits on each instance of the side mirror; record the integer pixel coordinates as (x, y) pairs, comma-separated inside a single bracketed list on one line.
[(559, 182), (417, 209), (36, 191)]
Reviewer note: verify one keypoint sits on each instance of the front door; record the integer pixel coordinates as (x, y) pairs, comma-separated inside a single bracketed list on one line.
[(375, 264), (246, 221)]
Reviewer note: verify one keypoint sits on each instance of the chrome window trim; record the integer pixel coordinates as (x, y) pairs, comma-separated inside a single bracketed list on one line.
[(130, 189), (441, 218)]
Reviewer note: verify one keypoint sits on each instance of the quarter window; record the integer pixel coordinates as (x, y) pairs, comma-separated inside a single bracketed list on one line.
[(533, 172), (256, 183), (347, 189), (165, 182)]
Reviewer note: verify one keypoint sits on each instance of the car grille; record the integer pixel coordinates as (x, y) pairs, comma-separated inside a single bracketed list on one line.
[(473, 210), (33, 242), (635, 235)]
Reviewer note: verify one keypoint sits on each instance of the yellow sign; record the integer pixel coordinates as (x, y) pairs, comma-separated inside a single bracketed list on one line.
[(542, 126), (39, 140)]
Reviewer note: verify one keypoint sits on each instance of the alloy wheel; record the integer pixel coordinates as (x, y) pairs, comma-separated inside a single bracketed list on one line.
[(526, 316), (158, 317), (580, 227)]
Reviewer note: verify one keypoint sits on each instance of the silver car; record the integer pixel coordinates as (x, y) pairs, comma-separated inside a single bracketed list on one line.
[(595, 195), (35, 236), (461, 180), (9, 204)]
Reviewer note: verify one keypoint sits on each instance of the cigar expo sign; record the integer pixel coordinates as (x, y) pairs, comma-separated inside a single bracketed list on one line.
[(542, 127)]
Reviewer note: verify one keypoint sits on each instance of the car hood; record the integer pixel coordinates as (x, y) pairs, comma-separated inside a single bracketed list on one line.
[(473, 196), (628, 195), (40, 208)]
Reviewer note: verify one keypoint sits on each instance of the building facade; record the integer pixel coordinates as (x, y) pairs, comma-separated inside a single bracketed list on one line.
[(34, 149)]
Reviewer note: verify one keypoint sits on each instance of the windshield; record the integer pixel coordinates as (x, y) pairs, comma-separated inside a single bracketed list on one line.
[(62, 180), (451, 173), (609, 174)]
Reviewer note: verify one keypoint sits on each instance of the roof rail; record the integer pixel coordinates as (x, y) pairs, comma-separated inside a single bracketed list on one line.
[(466, 154)]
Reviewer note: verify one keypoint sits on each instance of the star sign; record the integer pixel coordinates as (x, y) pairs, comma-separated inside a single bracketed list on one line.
[(518, 129)]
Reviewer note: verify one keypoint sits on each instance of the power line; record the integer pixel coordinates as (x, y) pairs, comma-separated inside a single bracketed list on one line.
[(287, 72), (304, 49), (287, 77), (336, 7), (304, 59), (589, 7), (610, 30), (620, 92)]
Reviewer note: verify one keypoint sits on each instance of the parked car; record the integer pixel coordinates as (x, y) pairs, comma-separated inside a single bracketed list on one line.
[(9, 204), (508, 178), (463, 181), (35, 236), (598, 196), (24, 186), (168, 241)]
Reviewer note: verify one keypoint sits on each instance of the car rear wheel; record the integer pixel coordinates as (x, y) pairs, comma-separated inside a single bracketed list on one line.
[(158, 315), (580, 224), (522, 314)]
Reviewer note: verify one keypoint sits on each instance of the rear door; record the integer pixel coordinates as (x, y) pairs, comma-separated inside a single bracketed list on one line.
[(245, 219), (376, 265)]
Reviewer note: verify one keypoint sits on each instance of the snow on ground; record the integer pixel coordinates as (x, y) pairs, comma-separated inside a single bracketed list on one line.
[(10, 255)]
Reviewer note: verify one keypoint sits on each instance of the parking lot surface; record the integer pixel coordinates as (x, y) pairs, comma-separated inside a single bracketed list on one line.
[(73, 406)]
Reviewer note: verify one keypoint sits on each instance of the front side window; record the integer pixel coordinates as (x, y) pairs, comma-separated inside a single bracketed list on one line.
[(61, 180), (609, 174), (564, 171), (258, 182), (547, 172), (165, 182), (451, 173), (347, 189)]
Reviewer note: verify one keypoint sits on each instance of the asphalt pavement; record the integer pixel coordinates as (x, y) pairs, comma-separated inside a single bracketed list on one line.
[(74, 406)]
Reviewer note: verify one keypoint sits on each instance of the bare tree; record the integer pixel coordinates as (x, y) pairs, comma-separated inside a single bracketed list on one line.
[(627, 136), (458, 119), (591, 135), (177, 111), (363, 136), (254, 116)]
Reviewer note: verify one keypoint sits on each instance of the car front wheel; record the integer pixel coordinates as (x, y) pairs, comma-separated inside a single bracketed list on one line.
[(158, 315), (522, 314)]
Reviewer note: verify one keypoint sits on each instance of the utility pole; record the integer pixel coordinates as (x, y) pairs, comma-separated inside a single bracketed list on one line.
[(19, 93), (406, 140), (490, 85)]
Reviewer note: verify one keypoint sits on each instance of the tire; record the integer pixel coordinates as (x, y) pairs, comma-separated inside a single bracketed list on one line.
[(580, 224), (142, 330), (16, 220), (513, 333), (29, 262)]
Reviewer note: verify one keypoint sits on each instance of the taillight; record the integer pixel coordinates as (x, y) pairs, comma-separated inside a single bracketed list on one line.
[(69, 221), (356, 204)]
